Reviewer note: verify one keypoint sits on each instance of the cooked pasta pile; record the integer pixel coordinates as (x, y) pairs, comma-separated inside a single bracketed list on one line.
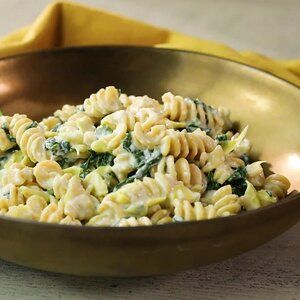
[(119, 160)]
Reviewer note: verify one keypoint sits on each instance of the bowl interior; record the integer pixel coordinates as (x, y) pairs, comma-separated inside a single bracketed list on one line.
[(39, 83)]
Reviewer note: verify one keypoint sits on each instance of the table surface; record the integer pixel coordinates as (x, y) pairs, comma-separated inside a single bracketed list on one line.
[(271, 271)]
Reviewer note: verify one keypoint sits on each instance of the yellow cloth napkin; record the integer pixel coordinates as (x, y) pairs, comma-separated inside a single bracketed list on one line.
[(64, 24)]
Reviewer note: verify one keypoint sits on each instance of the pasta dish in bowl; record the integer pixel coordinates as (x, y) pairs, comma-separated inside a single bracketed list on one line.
[(99, 179), (119, 160)]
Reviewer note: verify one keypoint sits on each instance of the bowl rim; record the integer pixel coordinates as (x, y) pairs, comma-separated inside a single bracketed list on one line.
[(46, 51), (291, 197)]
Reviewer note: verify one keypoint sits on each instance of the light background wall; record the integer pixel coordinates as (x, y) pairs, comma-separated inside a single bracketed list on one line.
[(271, 27)]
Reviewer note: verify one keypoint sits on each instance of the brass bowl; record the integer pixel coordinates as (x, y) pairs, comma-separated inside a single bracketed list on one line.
[(38, 83)]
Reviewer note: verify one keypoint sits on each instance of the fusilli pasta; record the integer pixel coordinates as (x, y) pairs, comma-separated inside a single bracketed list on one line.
[(122, 160)]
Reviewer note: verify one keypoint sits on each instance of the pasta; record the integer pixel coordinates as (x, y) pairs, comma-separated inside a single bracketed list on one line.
[(125, 161)]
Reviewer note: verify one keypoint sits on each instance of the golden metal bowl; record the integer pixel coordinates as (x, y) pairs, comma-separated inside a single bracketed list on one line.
[(38, 83)]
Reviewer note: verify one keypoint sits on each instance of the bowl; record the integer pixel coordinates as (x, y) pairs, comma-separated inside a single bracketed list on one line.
[(40, 82)]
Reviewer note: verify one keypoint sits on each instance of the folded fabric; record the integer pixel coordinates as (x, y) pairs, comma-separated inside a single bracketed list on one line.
[(65, 24)]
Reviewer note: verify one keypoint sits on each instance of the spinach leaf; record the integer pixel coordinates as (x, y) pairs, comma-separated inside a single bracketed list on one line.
[(138, 154), (6, 130), (245, 158), (238, 181), (50, 192), (103, 130), (32, 125), (221, 137), (56, 127), (192, 127), (211, 184), (59, 150), (127, 142), (150, 159), (96, 160)]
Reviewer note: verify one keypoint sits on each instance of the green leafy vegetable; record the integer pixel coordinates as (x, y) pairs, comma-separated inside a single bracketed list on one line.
[(32, 125), (238, 181), (50, 192), (138, 154), (245, 158), (192, 126), (56, 127), (96, 160), (145, 161), (57, 148), (6, 130), (60, 150), (211, 183), (221, 137), (103, 130), (230, 145)]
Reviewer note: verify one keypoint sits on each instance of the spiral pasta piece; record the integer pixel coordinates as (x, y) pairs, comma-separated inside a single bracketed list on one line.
[(10, 195), (52, 213), (278, 185), (176, 108), (255, 173), (30, 139), (32, 210), (148, 139), (17, 174), (45, 172), (133, 222), (225, 203), (117, 123), (188, 145), (66, 112), (186, 211), (104, 102), (190, 174)]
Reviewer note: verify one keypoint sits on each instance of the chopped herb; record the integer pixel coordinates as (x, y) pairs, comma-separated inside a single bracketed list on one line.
[(32, 125), (96, 160), (245, 158), (103, 130), (211, 183), (238, 181), (269, 193), (221, 137)]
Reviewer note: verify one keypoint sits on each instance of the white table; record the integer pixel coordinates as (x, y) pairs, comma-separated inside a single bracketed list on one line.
[(271, 271)]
